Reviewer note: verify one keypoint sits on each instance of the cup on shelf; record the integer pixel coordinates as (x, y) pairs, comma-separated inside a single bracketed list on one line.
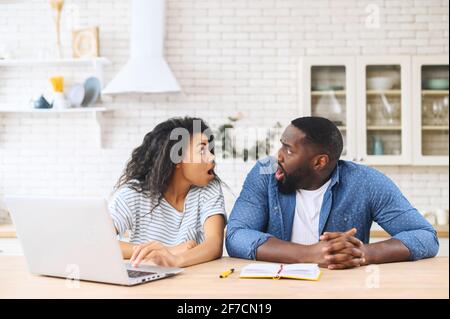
[(427, 114), (437, 109), (378, 145), (60, 102), (445, 110), (391, 110)]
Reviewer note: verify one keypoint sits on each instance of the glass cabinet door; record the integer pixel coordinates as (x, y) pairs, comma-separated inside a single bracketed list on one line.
[(384, 110), (434, 110), (328, 96)]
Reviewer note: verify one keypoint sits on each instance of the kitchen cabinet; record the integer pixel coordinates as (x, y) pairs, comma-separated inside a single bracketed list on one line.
[(383, 106), (327, 90), (384, 110), (430, 110)]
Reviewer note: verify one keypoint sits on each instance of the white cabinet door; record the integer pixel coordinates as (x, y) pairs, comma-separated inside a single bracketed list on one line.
[(384, 110), (327, 89), (431, 110)]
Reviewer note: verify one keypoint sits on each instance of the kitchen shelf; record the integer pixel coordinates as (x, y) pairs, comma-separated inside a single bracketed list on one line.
[(384, 128), (434, 128), (96, 63), (69, 110), (384, 92), (435, 92), (322, 93), (57, 62), (97, 116)]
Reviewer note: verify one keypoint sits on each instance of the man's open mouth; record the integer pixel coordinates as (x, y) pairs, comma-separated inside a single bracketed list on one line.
[(279, 174)]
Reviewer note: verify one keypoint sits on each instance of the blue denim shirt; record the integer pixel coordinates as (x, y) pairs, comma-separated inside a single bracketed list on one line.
[(356, 196)]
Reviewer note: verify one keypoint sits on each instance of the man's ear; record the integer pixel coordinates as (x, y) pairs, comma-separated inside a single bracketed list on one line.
[(321, 161)]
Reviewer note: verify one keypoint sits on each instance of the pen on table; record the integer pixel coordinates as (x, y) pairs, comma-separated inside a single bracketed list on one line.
[(225, 274)]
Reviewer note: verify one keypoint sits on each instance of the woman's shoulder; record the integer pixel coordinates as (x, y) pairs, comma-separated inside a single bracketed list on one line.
[(130, 193), (213, 189), (127, 189)]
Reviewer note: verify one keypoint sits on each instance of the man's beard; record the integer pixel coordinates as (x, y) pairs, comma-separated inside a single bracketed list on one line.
[(289, 183)]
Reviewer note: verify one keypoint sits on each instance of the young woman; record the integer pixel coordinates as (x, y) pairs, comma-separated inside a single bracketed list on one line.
[(170, 199)]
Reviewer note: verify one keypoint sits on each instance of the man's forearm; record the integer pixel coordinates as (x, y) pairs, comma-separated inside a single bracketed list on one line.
[(280, 251), (388, 251)]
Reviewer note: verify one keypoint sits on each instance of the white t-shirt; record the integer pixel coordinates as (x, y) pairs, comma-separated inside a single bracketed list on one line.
[(305, 229)]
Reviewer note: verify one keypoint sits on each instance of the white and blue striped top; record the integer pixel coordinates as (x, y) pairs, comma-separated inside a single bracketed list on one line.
[(130, 211)]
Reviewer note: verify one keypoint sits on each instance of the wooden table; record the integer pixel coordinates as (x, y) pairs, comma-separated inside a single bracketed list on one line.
[(421, 279)]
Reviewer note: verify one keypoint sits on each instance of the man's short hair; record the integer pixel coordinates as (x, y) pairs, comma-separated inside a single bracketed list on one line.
[(323, 133)]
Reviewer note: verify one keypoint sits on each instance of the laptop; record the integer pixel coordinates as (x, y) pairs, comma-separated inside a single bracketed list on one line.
[(75, 238)]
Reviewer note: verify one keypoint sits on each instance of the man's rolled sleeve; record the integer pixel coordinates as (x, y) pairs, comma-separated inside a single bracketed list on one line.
[(393, 212), (422, 243)]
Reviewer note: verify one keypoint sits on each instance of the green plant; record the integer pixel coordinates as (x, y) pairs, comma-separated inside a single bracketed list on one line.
[(261, 147)]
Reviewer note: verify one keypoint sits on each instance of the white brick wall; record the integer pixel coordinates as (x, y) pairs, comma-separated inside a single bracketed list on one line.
[(229, 56)]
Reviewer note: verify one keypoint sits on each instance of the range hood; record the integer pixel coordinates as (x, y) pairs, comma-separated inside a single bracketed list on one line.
[(146, 70)]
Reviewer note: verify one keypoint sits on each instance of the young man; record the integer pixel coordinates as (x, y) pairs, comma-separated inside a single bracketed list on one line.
[(311, 207)]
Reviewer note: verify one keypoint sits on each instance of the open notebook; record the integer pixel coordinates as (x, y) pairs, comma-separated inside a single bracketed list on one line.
[(277, 271)]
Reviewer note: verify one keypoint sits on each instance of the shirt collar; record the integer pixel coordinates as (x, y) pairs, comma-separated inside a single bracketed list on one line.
[(335, 175)]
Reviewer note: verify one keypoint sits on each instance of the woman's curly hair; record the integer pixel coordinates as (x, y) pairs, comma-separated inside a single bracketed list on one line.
[(150, 168)]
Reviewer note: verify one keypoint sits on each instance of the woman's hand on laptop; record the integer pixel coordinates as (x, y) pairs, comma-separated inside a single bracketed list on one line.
[(159, 254)]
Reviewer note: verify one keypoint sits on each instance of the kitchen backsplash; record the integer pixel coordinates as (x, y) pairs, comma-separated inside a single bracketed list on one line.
[(229, 56)]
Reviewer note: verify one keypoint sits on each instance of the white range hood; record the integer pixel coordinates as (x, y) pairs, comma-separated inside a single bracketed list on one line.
[(146, 70)]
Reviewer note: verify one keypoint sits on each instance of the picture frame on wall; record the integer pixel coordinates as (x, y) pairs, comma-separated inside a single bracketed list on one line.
[(85, 42)]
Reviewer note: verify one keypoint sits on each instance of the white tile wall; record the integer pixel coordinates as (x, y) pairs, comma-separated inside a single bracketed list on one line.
[(229, 56)]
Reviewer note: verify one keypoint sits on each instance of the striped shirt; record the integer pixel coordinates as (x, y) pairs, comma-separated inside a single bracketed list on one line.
[(130, 211)]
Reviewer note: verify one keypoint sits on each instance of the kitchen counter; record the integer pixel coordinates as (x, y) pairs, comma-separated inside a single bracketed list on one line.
[(421, 279)]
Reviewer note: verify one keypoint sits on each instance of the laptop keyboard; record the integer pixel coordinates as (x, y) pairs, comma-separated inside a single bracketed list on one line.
[(136, 274)]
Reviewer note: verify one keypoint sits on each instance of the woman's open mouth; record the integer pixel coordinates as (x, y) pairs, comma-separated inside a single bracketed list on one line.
[(211, 172)]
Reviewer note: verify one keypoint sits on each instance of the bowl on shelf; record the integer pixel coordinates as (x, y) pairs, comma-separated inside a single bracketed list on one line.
[(436, 84), (76, 95), (92, 89), (327, 87), (41, 103), (380, 83)]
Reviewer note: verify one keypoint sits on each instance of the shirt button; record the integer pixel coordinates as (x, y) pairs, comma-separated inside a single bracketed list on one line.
[(345, 219)]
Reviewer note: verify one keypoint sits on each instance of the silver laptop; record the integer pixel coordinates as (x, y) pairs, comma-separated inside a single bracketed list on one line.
[(75, 238)]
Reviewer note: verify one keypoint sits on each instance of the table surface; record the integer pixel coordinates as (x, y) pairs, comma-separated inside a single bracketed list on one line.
[(421, 279), (9, 231)]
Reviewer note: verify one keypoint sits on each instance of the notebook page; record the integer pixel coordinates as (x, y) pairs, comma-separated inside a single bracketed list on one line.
[(260, 270), (308, 271)]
